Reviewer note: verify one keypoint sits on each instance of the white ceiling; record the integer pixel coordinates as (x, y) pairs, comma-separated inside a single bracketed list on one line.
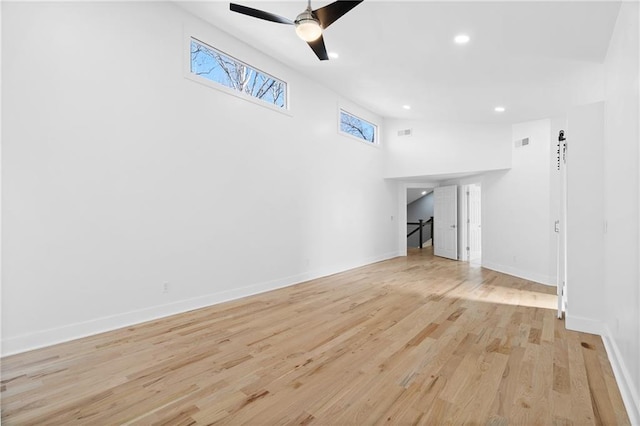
[(526, 56), (415, 193)]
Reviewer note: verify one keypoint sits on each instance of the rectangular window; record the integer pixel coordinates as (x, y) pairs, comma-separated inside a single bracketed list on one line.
[(358, 127), (209, 63)]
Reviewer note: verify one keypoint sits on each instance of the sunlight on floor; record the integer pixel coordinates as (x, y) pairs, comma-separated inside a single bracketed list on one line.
[(515, 297)]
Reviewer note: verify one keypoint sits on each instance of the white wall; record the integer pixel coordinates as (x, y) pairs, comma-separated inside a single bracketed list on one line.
[(585, 219), (517, 221), (604, 293), (441, 148), (621, 165), (119, 174), (517, 226), (436, 149)]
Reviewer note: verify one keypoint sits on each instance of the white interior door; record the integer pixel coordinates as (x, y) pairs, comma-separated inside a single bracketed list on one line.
[(445, 219), (475, 233)]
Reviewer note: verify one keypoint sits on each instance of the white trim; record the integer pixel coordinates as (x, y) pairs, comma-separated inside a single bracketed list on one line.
[(463, 225), (402, 220), (630, 394), (189, 35), (582, 324), (509, 270), (44, 338)]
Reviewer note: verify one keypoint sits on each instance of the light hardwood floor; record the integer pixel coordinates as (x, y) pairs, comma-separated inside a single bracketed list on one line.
[(416, 340)]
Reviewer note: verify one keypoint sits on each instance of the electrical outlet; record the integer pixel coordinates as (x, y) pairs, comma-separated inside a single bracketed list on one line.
[(165, 287)]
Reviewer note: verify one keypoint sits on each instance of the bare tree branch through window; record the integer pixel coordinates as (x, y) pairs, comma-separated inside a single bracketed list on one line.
[(357, 127), (213, 65)]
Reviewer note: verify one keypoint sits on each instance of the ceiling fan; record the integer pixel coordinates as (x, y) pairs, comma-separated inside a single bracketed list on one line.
[(309, 24)]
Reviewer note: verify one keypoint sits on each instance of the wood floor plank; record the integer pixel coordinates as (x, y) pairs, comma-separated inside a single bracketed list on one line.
[(412, 340)]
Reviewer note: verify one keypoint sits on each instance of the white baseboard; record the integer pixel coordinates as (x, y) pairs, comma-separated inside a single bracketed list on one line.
[(629, 391), (509, 270), (44, 338), (583, 325)]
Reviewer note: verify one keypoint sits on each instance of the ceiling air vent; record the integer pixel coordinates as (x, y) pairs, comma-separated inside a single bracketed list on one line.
[(522, 142), (405, 132)]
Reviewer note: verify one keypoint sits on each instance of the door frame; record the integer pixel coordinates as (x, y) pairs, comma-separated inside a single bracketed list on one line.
[(463, 219), (463, 222)]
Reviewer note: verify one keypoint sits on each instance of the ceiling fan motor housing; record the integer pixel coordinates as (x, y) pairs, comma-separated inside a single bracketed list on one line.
[(308, 26)]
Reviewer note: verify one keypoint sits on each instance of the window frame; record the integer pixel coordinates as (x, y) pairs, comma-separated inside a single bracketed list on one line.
[(376, 127), (189, 37)]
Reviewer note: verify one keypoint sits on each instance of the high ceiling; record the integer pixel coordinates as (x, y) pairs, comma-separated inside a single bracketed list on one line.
[(533, 58)]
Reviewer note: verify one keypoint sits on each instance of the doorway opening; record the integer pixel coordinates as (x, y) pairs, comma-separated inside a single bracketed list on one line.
[(419, 217)]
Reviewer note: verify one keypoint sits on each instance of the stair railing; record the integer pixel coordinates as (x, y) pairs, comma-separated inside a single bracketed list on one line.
[(421, 224)]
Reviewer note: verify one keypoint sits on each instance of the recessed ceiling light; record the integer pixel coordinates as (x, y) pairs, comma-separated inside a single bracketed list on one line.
[(406, 106), (333, 55), (424, 192), (462, 39), (499, 109)]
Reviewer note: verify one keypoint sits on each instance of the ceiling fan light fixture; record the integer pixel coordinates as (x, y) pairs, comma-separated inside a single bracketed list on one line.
[(308, 27), (462, 39)]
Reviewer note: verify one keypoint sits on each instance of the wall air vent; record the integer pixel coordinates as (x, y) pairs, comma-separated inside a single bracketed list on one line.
[(522, 142), (405, 132)]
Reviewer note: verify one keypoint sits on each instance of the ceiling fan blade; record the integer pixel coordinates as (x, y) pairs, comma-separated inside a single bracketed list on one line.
[(260, 14), (332, 12), (318, 48)]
